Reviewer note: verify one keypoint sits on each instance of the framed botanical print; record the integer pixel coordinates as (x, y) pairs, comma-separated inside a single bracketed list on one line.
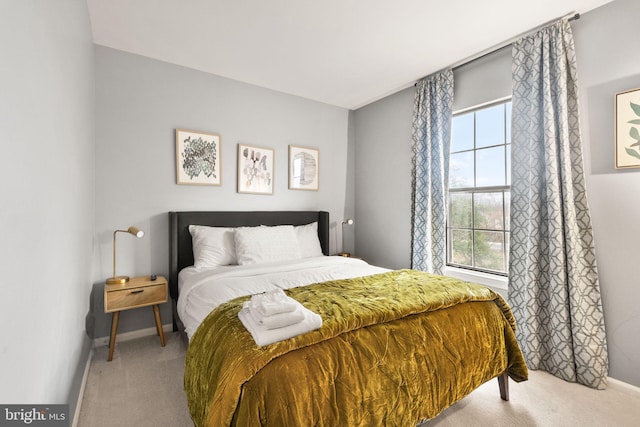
[(255, 169), (197, 158), (304, 167), (628, 129)]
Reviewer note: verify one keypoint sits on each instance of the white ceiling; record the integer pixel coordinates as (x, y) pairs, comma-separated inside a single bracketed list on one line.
[(346, 53)]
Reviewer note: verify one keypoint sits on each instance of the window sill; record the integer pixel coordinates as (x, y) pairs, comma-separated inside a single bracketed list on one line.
[(498, 283)]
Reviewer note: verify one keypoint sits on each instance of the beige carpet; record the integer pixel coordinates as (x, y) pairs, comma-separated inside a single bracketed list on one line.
[(142, 387)]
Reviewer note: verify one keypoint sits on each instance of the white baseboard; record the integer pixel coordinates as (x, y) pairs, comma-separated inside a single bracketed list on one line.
[(85, 377), (623, 387), (126, 336)]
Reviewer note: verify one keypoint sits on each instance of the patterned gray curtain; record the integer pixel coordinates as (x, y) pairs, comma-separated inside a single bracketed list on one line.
[(553, 288), (431, 134)]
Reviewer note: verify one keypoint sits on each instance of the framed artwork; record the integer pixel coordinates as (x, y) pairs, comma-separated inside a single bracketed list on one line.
[(304, 166), (197, 158), (255, 169), (628, 129)]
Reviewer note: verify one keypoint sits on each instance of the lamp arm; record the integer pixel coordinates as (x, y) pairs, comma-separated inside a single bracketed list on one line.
[(114, 252)]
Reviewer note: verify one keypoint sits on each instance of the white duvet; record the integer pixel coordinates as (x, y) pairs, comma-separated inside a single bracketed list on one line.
[(201, 291)]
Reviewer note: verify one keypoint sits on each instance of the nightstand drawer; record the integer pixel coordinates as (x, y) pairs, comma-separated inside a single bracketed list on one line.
[(135, 297)]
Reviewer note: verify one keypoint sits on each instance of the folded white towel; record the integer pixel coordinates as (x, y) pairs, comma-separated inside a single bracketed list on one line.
[(263, 336), (279, 320), (273, 302)]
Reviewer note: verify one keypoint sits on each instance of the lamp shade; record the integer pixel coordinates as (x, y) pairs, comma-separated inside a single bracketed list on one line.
[(135, 231)]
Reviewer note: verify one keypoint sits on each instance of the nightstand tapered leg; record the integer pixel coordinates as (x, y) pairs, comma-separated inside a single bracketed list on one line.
[(156, 314), (114, 331)]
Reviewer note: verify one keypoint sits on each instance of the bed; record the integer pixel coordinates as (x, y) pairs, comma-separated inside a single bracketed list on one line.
[(394, 348)]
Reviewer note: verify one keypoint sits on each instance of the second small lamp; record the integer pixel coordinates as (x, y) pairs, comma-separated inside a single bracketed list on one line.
[(347, 221)]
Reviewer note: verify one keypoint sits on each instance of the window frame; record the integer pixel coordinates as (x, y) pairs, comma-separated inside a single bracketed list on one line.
[(505, 190)]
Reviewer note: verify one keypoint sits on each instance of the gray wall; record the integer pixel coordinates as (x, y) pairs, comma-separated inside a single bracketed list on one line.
[(139, 104), (47, 123), (383, 181), (607, 63)]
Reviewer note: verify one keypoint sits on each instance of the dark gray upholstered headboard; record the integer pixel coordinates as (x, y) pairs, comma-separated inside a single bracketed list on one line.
[(180, 247)]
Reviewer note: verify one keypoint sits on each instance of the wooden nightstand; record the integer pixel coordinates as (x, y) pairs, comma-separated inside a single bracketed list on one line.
[(137, 292)]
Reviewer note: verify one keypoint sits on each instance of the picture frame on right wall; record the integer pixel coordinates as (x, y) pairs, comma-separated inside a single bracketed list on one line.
[(304, 168), (627, 128)]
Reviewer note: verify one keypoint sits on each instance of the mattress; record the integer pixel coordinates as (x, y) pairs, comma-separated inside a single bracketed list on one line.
[(201, 291)]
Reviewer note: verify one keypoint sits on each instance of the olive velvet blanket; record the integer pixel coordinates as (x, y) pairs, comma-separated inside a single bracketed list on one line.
[(394, 349)]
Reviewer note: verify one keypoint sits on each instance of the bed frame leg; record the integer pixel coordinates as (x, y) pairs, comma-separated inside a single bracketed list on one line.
[(503, 382)]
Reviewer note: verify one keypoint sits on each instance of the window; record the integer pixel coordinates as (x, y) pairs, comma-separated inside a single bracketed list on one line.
[(479, 189)]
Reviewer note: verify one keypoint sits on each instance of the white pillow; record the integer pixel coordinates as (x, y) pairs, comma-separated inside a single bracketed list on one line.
[(256, 245), (308, 240), (212, 246)]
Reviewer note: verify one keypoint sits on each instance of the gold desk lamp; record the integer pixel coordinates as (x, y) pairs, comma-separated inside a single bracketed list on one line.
[(347, 221), (122, 279)]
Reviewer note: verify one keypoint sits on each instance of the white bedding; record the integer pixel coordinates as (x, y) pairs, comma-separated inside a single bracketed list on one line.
[(201, 291)]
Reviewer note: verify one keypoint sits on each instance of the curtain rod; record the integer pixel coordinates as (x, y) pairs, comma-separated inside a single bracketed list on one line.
[(573, 17), (496, 48)]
